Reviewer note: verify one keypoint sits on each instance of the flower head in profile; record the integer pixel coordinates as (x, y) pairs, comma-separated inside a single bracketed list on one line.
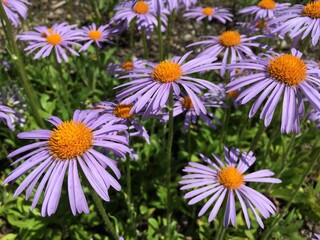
[(275, 77), (120, 113), (152, 85), (219, 181), (299, 22), (184, 105), (314, 116), (10, 97), (125, 66), (188, 3), (14, 9), (6, 114), (70, 145), (232, 44), (142, 13), (211, 13), (92, 34), (60, 38), (265, 9)]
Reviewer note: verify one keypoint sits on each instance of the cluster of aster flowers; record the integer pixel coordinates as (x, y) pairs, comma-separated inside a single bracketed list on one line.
[(267, 79), (62, 37)]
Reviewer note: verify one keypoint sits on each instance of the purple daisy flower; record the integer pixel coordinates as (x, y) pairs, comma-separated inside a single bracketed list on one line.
[(125, 67), (265, 9), (284, 75), (233, 46), (93, 35), (142, 12), (299, 22), (120, 113), (59, 37), (184, 105), (6, 114), (70, 143), (222, 179), (14, 9), (218, 13), (153, 84)]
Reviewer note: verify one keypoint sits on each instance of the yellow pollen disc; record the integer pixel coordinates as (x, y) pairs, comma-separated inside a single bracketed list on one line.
[(288, 69), (141, 7), (230, 177), (230, 39), (69, 140), (95, 34), (187, 103), (208, 11), (312, 10), (127, 65), (167, 71), (123, 111), (233, 94), (53, 38), (267, 4)]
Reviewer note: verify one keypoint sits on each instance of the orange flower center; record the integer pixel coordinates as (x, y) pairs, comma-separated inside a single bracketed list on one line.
[(127, 65), (141, 7), (288, 69), (230, 177), (5, 3), (233, 94), (69, 140), (312, 10), (52, 38), (267, 4), (208, 11), (230, 39), (167, 71), (187, 103), (95, 34), (123, 111)]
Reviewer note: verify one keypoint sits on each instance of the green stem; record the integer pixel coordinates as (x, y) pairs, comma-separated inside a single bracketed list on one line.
[(132, 232), (132, 30), (99, 206), (17, 60), (286, 153), (305, 43), (71, 11), (145, 45), (168, 165), (257, 137), (205, 26), (268, 231), (63, 89), (94, 79), (221, 231), (262, 26), (160, 38), (169, 32), (225, 123), (189, 142)]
